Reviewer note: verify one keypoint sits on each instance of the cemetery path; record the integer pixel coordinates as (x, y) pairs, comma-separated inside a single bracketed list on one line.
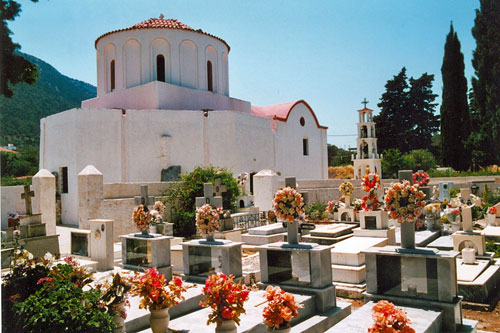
[(488, 321)]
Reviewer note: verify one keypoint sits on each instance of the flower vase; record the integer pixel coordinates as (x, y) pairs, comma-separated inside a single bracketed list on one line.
[(152, 229), (286, 329), (145, 232), (226, 326), (455, 226), (408, 235), (210, 237), (429, 222), (292, 229), (159, 320), (118, 318), (490, 219)]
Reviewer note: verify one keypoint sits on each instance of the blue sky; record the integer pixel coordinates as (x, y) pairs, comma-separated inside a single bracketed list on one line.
[(330, 53)]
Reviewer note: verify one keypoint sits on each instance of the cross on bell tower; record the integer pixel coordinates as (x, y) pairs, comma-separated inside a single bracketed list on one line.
[(365, 102)]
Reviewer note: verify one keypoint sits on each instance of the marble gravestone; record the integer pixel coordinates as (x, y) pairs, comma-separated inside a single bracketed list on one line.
[(208, 197), (144, 198), (444, 190), (376, 224), (102, 247)]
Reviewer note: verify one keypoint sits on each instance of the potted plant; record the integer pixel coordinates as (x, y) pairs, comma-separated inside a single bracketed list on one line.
[(207, 220), (225, 298), (389, 319), (288, 205), (115, 297), (491, 215), (158, 296), (280, 310), (404, 202), (142, 219)]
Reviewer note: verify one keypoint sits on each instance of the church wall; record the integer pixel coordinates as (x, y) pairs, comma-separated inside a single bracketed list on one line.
[(291, 161), (185, 55)]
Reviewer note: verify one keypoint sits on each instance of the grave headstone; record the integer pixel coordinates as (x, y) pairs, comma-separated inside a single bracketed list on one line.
[(171, 174), (102, 251), (208, 197), (144, 199), (405, 175), (292, 182), (26, 196), (444, 190), (219, 189)]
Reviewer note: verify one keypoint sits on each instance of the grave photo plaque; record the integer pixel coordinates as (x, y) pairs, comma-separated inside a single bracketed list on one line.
[(138, 252), (371, 222), (200, 260)]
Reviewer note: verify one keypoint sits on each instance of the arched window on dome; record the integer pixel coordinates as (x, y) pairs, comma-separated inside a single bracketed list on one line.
[(112, 75), (210, 83), (160, 68)]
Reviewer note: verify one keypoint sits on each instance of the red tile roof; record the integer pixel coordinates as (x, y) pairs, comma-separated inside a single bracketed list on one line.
[(8, 150), (161, 23), (281, 111)]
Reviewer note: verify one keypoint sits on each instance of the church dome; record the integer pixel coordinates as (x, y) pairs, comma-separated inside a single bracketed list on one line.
[(164, 50)]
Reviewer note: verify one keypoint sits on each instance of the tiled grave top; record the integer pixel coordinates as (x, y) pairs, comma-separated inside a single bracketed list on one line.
[(391, 251), (356, 244), (278, 247), (442, 243), (270, 229), (469, 273), (225, 243)]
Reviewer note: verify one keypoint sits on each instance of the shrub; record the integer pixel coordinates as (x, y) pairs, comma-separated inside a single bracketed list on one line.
[(182, 196), (419, 159), (317, 211), (391, 163)]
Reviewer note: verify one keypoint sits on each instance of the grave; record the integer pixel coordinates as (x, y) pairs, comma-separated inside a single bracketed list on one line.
[(491, 233), (347, 215), (80, 242), (144, 199), (468, 237), (329, 234), (266, 234), (375, 224), (405, 175), (417, 278), (101, 243), (444, 191), (422, 238), (139, 253), (202, 258)]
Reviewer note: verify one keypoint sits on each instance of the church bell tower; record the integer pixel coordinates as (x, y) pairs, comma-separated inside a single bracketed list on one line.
[(367, 158)]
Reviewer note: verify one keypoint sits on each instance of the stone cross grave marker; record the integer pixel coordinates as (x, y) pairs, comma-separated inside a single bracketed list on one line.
[(208, 197), (144, 198), (219, 189), (26, 196), (292, 182)]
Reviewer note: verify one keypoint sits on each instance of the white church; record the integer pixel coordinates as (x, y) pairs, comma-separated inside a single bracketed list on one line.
[(163, 100)]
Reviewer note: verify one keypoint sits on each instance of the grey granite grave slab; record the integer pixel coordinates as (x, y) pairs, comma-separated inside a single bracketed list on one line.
[(469, 272), (442, 243), (360, 320), (422, 238)]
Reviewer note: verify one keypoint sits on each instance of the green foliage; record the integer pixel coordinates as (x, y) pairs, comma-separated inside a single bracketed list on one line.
[(490, 198), (52, 93), (13, 67), (316, 211), (491, 246), (453, 192), (15, 165), (407, 120), (436, 174), (477, 212), (182, 196), (338, 156), (486, 84), (419, 159), (455, 119)]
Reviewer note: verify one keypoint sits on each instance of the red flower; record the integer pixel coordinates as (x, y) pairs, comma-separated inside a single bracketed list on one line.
[(230, 298), (178, 282), (227, 314)]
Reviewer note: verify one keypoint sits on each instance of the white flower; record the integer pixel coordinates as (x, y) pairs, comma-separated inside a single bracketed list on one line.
[(48, 256)]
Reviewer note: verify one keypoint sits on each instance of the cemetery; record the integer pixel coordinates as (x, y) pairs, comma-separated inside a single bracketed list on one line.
[(215, 239)]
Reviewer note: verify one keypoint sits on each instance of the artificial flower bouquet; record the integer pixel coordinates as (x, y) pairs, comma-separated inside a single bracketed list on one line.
[(357, 203), (332, 206), (404, 202), (492, 210), (346, 189), (224, 297), (420, 178), (288, 204), (156, 293), (452, 213), (370, 182), (281, 308), (433, 210), (157, 212), (142, 218), (207, 219), (389, 319)]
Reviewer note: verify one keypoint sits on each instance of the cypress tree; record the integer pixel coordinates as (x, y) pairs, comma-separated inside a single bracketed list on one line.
[(455, 118), (486, 84)]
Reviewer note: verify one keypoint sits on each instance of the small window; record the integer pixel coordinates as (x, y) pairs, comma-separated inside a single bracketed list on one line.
[(64, 176), (160, 68), (305, 146), (302, 121), (209, 77), (112, 77)]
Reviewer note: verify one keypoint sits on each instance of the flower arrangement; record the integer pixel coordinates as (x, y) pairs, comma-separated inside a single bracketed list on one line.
[(332, 206), (242, 178), (389, 319), (288, 204), (346, 189), (404, 202), (115, 294), (281, 308), (492, 210), (156, 293), (356, 205), (207, 219), (157, 212), (452, 213), (420, 178), (142, 218), (225, 297), (433, 210), (370, 182)]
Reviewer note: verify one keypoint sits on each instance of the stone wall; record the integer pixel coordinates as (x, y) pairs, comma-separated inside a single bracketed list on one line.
[(11, 202)]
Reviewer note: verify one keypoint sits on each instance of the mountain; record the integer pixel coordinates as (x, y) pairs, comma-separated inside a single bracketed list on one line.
[(52, 93)]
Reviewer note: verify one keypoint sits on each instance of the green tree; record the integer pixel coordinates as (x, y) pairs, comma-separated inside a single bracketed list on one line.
[(486, 84), (13, 67), (393, 120), (423, 120), (337, 156), (419, 159), (391, 163), (455, 118)]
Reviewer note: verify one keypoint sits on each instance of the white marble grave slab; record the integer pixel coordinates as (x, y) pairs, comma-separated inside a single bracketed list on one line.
[(469, 273), (269, 229), (348, 252)]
